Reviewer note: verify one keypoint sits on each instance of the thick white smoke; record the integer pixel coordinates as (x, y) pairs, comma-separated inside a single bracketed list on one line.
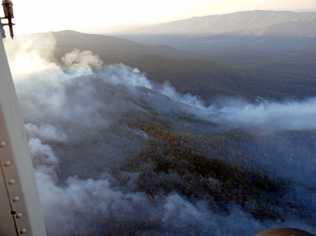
[(67, 105), (291, 115), (264, 115)]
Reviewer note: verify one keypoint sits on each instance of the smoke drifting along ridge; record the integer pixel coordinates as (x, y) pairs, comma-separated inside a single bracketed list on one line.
[(69, 104)]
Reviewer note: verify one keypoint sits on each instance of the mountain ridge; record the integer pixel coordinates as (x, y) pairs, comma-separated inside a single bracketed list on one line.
[(219, 75), (257, 22)]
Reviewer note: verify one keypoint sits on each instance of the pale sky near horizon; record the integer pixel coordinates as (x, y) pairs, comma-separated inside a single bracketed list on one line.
[(101, 16)]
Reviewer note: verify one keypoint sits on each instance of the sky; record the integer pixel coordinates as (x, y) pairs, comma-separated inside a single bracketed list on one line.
[(104, 16)]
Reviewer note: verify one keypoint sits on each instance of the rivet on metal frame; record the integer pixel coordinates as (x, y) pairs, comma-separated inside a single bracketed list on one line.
[(19, 215), (7, 163), (23, 231), (16, 199), (3, 144), (11, 182)]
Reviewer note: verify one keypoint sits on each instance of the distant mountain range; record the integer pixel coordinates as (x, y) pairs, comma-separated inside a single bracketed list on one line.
[(251, 23), (211, 66), (274, 50), (189, 72)]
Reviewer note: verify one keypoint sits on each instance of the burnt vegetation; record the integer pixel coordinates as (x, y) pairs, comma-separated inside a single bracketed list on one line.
[(169, 164)]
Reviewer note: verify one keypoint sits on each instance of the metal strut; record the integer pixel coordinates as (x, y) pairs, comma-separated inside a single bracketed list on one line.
[(8, 16), (20, 206)]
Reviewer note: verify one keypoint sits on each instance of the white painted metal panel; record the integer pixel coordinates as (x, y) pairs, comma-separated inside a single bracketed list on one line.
[(19, 206), (7, 226)]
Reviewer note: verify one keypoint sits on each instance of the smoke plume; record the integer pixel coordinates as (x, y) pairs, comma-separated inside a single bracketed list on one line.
[(76, 113)]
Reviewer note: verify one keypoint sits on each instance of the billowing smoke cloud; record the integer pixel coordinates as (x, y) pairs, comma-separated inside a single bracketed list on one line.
[(76, 114), (46, 132), (292, 115), (265, 115)]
